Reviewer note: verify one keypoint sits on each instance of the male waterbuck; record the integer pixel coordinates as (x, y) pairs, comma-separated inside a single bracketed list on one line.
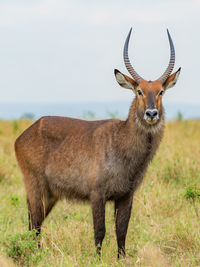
[(95, 160)]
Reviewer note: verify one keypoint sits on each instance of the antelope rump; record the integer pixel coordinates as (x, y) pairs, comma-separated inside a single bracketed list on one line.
[(95, 160)]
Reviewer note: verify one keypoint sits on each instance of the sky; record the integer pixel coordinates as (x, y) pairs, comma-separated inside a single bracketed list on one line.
[(66, 51)]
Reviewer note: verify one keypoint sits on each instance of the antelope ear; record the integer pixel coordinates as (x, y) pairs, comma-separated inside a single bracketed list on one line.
[(171, 80), (125, 81)]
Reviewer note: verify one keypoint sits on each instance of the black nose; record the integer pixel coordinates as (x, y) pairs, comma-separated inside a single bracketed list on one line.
[(151, 113)]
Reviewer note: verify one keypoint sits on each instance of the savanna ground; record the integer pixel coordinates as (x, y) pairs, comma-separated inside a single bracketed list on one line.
[(164, 228)]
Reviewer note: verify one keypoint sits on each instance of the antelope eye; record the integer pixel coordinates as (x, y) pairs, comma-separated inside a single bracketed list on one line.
[(139, 92), (161, 92)]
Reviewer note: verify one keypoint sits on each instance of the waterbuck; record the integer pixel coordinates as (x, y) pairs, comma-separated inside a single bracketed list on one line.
[(95, 160)]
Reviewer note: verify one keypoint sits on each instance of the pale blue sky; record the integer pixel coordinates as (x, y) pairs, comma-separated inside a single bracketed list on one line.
[(60, 51)]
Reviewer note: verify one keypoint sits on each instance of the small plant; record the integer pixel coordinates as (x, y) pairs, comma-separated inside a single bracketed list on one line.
[(15, 126), (14, 200), (23, 249), (193, 195)]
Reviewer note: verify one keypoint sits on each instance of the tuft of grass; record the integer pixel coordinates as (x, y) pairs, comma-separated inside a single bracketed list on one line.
[(14, 200)]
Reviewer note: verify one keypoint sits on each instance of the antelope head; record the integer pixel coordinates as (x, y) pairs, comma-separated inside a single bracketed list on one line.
[(148, 100)]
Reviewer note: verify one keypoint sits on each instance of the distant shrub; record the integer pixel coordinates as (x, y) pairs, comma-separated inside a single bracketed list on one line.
[(15, 126), (28, 115), (179, 116), (113, 114), (88, 114)]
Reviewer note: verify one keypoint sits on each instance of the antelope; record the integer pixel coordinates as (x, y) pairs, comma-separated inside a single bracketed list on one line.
[(97, 161)]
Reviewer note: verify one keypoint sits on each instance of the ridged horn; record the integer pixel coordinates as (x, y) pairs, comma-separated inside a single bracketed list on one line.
[(170, 67), (128, 65)]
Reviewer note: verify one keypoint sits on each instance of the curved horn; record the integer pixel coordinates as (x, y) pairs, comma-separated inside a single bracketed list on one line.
[(170, 67), (128, 65)]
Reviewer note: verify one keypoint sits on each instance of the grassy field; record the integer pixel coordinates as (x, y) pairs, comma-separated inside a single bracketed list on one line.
[(164, 228)]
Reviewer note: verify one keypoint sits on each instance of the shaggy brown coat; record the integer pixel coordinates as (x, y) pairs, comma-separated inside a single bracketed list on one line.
[(91, 160)]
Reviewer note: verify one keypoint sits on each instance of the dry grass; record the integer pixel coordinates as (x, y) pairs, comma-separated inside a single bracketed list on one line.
[(4, 262), (163, 231)]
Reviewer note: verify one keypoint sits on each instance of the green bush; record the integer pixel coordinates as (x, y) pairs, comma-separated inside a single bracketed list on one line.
[(192, 193), (23, 248)]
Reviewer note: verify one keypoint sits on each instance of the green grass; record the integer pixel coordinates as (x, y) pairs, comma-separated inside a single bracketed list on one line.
[(164, 228)]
